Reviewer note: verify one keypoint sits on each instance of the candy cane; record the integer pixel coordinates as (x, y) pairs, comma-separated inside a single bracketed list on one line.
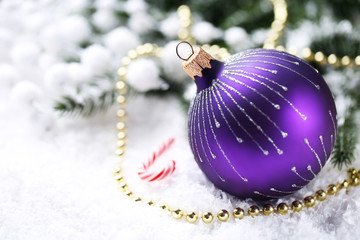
[(150, 176)]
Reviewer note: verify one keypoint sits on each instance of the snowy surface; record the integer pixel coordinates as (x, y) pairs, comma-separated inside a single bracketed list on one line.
[(57, 184), (56, 177)]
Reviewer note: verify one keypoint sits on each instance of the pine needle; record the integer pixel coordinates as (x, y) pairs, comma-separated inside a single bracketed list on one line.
[(345, 145), (87, 107)]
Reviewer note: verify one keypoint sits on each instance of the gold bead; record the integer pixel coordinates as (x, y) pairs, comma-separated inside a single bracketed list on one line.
[(309, 201), (223, 215), (206, 47), (121, 87), (123, 186), (254, 211), (282, 208), (280, 47), (214, 48), (119, 177), (165, 207), (119, 152), (183, 34), (352, 172), (332, 59), (184, 11), (132, 54), (125, 61), (121, 135), (140, 50), (148, 47), (238, 213), (307, 54), (320, 57), (185, 23), (332, 189), (357, 61), (121, 113), (191, 217), (129, 193), (120, 143), (120, 125), (177, 213), (151, 203), (296, 206), (320, 195), (293, 50), (121, 99), (346, 61), (344, 184), (117, 170), (207, 217), (122, 72), (354, 180), (268, 45), (268, 209), (138, 199)]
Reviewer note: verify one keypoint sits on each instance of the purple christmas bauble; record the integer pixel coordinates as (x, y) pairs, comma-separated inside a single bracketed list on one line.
[(262, 124)]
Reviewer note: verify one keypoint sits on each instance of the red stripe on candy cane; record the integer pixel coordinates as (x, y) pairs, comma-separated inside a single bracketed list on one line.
[(147, 174)]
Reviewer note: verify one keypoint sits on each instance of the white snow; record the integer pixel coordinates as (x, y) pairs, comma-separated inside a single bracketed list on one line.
[(56, 177)]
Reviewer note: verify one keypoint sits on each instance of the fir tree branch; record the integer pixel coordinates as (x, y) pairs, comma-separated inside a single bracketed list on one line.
[(345, 145), (88, 106), (348, 133)]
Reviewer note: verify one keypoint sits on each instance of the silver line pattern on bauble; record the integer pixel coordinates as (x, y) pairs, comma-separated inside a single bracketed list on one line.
[(284, 134), (239, 139), (283, 54), (333, 122), (258, 75), (218, 144), (296, 186), (258, 127), (237, 122), (242, 60), (193, 125), (278, 58), (277, 106), (316, 155), (204, 130), (279, 191), (310, 170), (323, 146), (198, 124), (265, 195), (294, 170), (231, 72), (203, 122)]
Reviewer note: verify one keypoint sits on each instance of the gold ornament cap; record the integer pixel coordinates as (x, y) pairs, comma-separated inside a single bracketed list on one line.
[(196, 62)]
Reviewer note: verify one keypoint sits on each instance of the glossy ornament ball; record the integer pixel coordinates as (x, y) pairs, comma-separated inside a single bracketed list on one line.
[(262, 124)]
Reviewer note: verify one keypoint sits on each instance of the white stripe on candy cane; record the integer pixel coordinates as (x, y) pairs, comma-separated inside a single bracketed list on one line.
[(147, 173)]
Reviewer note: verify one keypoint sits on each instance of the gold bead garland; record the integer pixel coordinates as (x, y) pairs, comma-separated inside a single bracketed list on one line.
[(152, 50), (278, 25), (320, 58), (184, 14)]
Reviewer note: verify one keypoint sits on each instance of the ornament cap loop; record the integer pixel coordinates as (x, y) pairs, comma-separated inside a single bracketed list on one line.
[(196, 62), (177, 50)]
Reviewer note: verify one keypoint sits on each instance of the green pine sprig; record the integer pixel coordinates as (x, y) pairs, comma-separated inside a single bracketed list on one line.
[(345, 145), (348, 133), (88, 107)]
